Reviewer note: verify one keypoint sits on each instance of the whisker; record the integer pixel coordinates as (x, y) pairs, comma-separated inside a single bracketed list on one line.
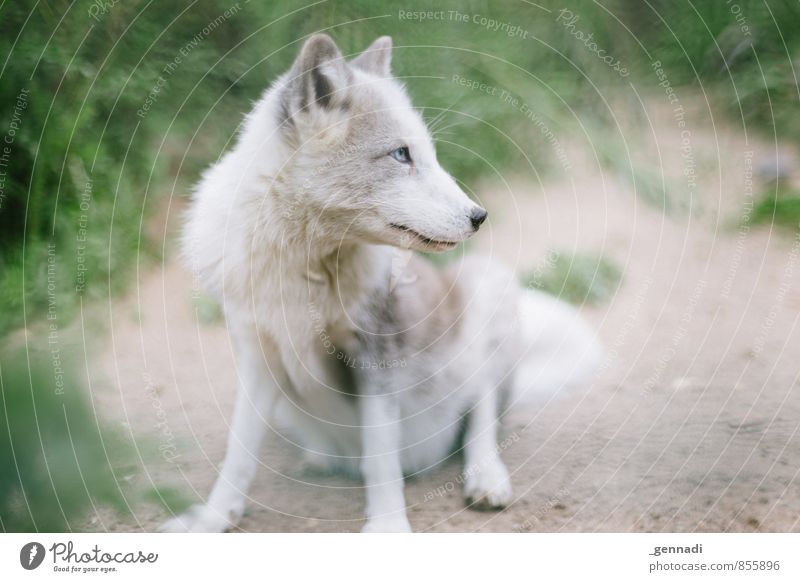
[(440, 117)]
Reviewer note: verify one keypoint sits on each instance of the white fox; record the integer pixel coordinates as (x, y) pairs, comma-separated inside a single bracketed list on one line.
[(371, 358)]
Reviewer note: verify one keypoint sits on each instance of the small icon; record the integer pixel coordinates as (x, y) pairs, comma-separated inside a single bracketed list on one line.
[(31, 555)]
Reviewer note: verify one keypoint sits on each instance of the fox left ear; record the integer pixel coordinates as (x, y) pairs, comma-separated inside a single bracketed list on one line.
[(320, 75), (316, 91), (377, 59)]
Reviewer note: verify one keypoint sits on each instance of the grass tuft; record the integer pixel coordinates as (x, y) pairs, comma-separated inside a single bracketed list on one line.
[(578, 279)]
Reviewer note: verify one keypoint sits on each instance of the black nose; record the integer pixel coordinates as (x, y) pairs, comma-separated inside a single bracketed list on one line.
[(477, 217)]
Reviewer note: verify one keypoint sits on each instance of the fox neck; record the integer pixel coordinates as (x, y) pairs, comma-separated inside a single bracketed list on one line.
[(309, 245), (308, 239)]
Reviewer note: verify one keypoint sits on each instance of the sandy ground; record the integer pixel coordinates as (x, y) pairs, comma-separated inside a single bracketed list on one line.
[(692, 425)]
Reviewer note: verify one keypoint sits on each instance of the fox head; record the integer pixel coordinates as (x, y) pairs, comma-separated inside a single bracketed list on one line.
[(362, 156)]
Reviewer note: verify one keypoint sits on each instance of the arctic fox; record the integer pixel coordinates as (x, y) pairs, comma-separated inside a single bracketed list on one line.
[(375, 361)]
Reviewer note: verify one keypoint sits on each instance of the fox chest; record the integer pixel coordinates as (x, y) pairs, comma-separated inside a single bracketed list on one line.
[(309, 312)]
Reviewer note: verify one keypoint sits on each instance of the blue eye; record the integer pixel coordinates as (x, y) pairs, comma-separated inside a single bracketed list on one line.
[(402, 155)]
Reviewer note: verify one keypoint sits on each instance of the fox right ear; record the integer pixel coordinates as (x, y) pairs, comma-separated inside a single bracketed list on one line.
[(320, 76), (377, 59)]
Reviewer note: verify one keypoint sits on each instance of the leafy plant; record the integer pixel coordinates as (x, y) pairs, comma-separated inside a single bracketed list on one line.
[(59, 463), (578, 278)]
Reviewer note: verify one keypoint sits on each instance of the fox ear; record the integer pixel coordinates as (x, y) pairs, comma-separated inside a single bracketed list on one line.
[(320, 76), (377, 59)]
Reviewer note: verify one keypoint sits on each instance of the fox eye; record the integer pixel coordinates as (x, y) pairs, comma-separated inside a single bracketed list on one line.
[(401, 154)]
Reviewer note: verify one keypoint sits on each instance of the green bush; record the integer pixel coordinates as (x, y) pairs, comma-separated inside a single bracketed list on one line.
[(781, 210), (60, 464), (82, 170), (109, 110), (55, 461), (576, 278)]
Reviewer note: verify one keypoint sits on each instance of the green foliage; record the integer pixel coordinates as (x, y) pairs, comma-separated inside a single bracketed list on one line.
[(59, 463), (206, 309), (86, 164), (116, 106), (783, 210), (55, 460), (578, 278), (108, 110), (742, 52)]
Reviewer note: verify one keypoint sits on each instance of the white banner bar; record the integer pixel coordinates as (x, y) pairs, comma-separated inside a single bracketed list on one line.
[(389, 557)]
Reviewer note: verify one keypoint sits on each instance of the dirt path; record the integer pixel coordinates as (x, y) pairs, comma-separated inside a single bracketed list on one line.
[(692, 426)]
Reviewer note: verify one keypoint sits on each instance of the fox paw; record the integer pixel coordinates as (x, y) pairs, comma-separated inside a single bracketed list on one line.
[(387, 524), (487, 486), (201, 519)]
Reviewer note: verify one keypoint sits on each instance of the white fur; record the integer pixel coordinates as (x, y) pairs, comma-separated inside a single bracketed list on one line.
[(560, 351), (291, 231)]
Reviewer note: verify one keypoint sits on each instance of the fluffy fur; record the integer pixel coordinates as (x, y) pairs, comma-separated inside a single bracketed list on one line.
[(373, 360)]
